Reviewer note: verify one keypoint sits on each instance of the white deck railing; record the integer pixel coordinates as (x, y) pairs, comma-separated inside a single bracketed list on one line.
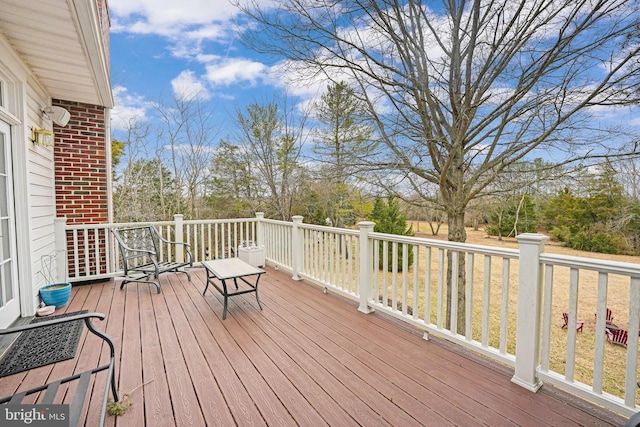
[(512, 312)]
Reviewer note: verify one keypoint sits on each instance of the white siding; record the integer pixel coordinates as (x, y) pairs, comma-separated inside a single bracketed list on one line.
[(33, 171)]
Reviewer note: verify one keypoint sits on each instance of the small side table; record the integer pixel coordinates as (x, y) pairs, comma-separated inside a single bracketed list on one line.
[(232, 268)]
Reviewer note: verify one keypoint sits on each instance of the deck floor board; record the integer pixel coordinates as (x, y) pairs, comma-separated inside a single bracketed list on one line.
[(307, 359)]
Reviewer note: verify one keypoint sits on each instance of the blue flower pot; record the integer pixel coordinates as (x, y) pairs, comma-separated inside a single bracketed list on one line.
[(57, 294)]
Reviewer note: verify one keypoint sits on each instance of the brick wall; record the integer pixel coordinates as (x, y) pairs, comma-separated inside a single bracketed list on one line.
[(81, 165), (81, 171)]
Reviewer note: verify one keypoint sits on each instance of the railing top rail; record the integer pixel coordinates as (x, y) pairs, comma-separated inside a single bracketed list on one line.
[(595, 264), (157, 223), (442, 244), (116, 225), (277, 221), (335, 230), (218, 221)]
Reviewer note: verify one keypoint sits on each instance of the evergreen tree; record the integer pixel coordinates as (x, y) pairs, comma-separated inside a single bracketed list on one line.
[(515, 217), (390, 219), (232, 190), (341, 142), (590, 222)]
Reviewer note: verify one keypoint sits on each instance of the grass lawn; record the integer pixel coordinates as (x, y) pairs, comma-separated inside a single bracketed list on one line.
[(617, 301)]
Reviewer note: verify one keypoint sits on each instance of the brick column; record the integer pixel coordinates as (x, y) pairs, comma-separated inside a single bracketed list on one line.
[(81, 172)]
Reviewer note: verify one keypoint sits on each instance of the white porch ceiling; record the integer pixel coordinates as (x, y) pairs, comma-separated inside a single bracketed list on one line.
[(61, 41)]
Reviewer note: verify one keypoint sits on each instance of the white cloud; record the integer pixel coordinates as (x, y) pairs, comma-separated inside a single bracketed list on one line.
[(165, 16), (190, 28), (187, 86), (128, 109), (635, 121), (228, 71), (186, 24)]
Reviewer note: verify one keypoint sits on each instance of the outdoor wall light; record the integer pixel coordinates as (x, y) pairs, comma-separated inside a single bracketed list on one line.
[(57, 115), (43, 137)]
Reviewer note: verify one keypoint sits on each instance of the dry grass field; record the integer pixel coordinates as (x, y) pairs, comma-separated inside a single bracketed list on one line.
[(617, 301)]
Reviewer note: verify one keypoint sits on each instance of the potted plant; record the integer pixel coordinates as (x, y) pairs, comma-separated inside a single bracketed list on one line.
[(54, 294)]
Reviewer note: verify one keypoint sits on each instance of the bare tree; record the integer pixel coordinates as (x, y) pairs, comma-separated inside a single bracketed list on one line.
[(459, 91), (185, 139), (272, 136), (629, 174), (130, 203), (234, 189)]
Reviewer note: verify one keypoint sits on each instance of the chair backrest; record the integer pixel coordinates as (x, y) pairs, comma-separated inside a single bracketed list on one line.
[(609, 318), (134, 239), (565, 317)]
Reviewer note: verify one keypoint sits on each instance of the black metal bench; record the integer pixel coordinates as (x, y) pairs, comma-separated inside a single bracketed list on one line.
[(82, 380), (140, 250)]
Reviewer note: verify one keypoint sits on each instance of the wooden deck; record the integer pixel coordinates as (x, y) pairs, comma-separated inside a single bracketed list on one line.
[(307, 359)]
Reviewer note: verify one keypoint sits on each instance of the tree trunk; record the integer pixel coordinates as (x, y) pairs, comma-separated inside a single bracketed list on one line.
[(457, 233)]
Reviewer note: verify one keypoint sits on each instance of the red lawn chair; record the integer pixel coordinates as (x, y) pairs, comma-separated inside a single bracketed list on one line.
[(617, 336), (579, 323), (608, 317)]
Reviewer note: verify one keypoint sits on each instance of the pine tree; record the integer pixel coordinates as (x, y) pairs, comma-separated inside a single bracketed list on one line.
[(341, 142), (390, 219)]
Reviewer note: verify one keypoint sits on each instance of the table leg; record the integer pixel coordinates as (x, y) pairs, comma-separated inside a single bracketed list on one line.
[(224, 312), (258, 298)]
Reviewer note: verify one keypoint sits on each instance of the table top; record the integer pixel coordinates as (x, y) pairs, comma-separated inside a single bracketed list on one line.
[(228, 268)]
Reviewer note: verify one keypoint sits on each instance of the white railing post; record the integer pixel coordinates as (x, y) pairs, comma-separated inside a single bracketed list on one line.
[(61, 249), (529, 311), (296, 247), (260, 230), (179, 235), (366, 265)]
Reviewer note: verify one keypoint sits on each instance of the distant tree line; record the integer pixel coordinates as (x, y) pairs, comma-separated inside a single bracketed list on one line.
[(593, 210), (270, 166)]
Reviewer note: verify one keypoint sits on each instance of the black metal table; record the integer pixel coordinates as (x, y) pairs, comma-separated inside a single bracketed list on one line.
[(232, 268)]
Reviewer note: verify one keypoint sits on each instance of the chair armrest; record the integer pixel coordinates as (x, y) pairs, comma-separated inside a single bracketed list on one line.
[(137, 252), (187, 246), (83, 316), (173, 243), (37, 325)]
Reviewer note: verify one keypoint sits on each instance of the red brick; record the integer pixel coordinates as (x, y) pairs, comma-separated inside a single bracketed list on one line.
[(80, 164)]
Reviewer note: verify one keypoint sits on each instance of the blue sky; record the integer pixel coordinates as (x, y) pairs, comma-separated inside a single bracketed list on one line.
[(166, 48), (163, 48)]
